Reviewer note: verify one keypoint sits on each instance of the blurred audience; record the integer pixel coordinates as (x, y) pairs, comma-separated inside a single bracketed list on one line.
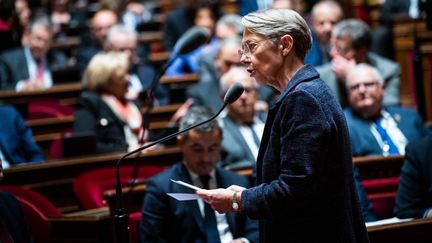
[(104, 108), (65, 18), (13, 227), (94, 40), (374, 128), (325, 15), (242, 126), (181, 19), (205, 17), (414, 197), (135, 14), (141, 73), (351, 42), (16, 141), (164, 219), (29, 68), (10, 29)]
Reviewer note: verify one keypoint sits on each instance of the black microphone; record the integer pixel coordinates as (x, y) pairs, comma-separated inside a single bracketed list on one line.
[(121, 218), (191, 39)]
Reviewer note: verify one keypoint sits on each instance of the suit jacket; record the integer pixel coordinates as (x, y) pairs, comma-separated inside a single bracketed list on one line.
[(16, 140), (177, 22), (146, 73), (164, 219), (13, 66), (414, 195), (305, 189), (12, 216), (236, 151), (363, 141), (389, 70), (94, 115), (316, 55)]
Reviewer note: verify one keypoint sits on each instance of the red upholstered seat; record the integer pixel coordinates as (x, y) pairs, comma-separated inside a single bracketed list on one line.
[(382, 194), (46, 108), (37, 209), (134, 222), (90, 186)]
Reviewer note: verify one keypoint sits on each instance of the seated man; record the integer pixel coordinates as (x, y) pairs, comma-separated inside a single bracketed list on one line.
[(242, 126), (16, 141), (141, 74), (373, 128), (164, 219), (351, 40), (29, 67), (414, 197), (376, 129)]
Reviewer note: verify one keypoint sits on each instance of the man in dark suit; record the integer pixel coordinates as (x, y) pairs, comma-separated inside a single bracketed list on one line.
[(414, 196), (242, 125), (16, 141), (164, 219), (13, 227), (141, 73), (29, 67), (376, 129), (93, 41), (351, 43)]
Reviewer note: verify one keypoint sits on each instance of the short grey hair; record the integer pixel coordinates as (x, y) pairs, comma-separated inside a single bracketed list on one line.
[(232, 20), (41, 20), (274, 23), (195, 115), (120, 29), (360, 70), (357, 30)]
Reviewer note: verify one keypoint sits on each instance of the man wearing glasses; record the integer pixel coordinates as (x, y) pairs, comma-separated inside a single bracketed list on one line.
[(376, 129), (351, 41)]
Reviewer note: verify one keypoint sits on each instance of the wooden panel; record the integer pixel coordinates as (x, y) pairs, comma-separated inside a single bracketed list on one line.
[(418, 231)]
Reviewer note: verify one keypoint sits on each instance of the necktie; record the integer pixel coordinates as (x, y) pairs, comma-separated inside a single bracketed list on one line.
[(388, 146), (209, 216), (255, 136), (39, 71)]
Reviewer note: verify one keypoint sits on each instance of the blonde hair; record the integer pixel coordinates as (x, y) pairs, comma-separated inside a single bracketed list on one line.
[(103, 67)]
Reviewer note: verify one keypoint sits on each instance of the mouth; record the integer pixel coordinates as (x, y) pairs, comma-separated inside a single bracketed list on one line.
[(251, 71)]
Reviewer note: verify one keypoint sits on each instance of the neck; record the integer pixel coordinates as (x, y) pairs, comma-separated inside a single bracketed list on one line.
[(289, 68)]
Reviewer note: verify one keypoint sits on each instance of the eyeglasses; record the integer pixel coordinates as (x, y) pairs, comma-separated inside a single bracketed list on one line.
[(367, 85), (248, 48)]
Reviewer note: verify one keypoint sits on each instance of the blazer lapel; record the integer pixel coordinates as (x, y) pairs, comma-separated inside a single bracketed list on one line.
[(239, 138)]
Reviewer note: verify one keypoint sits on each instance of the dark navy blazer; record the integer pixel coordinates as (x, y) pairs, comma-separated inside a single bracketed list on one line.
[(16, 140), (305, 189), (363, 141), (164, 219)]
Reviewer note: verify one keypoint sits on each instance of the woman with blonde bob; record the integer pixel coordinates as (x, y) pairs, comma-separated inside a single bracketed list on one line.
[(103, 107)]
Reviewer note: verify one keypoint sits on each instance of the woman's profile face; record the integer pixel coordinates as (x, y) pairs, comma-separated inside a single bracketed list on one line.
[(262, 59), (118, 85)]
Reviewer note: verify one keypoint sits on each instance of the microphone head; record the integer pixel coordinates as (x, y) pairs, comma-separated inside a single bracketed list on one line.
[(191, 39), (233, 93)]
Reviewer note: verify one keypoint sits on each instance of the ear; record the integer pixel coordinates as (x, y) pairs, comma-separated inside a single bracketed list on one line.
[(286, 44)]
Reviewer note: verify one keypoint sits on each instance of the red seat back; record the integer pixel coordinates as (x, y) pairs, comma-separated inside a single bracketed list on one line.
[(134, 223), (90, 186), (382, 194), (46, 108), (37, 209)]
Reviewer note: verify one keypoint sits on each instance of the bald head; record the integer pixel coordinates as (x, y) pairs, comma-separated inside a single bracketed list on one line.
[(325, 15), (101, 23)]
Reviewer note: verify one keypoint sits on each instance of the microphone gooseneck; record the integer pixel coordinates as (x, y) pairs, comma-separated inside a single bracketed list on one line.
[(121, 218)]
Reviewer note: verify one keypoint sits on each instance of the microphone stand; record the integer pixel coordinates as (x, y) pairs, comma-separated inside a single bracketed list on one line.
[(121, 218)]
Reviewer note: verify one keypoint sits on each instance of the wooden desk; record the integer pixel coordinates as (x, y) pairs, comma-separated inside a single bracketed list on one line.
[(84, 226), (418, 231), (54, 178)]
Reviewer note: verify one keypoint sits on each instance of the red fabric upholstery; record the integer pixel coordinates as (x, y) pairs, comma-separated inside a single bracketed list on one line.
[(46, 108), (134, 222), (90, 186), (37, 209), (382, 194)]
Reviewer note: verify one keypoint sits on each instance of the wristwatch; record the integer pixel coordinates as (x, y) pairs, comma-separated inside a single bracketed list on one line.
[(234, 202)]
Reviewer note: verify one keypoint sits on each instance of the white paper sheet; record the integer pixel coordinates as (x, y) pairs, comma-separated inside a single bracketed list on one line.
[(186, 185), (184, 196)]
